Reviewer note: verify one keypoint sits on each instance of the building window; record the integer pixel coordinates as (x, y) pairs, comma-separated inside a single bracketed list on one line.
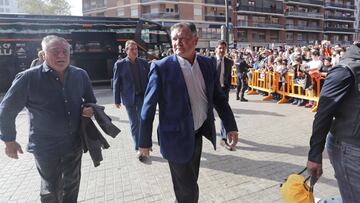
[(274, 21), (86, 5), (155, 10), (300, 37), (251, 3), (6, 2), (242, 35), (289, 36), (120, 12), (274, 36), (1, 2), (259, 36), (197, 11), (100, 3), (134, 12)]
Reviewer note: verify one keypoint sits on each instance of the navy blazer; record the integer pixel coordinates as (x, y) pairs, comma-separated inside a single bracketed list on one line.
[(167, 87), (123, 81)]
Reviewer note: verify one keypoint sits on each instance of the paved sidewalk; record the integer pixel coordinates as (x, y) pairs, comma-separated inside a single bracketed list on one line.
[(273, 143)]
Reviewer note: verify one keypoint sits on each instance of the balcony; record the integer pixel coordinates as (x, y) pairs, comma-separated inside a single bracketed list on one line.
[(316, 2), (342, 42), (339, 5), (218, 2), (303, 28), (297, 42), (148, 1), (339, 17), (260, 9), (217, 18), (262, 25), (339, 29), (303, 14), (161, 15)]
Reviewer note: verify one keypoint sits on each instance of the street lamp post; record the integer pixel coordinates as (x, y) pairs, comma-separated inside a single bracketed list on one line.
[(227, 22)]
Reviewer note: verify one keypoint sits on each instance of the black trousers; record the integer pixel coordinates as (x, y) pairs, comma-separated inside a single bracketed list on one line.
[(185, 175), (60, 177), (241, 86)]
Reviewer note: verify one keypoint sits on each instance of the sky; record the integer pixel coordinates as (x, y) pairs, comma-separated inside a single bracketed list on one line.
[(76, 6)]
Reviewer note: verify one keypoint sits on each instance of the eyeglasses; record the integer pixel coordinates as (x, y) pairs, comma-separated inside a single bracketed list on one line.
[(59, 51)]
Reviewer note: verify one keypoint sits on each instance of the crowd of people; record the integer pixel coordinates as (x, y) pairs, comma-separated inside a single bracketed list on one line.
[(187, 87), (305, 62)]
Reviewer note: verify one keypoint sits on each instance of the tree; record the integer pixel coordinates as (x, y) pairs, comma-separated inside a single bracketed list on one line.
[(45, 7)]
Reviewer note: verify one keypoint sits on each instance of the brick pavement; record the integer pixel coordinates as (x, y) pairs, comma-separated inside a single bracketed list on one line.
[(273, 142)]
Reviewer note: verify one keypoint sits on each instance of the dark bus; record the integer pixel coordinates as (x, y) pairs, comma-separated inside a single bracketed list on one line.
[(96, 42)]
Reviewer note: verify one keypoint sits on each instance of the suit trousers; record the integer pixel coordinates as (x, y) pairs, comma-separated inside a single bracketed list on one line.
[(241, 86), (134, 112), (185, 175), (222, 130), (60, 177)]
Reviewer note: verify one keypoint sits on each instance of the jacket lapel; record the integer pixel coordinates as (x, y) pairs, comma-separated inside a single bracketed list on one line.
[(205, 72), (179, 73)]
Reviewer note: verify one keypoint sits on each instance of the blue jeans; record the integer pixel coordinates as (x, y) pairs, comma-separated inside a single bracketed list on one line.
[(345, 158), (60, 177), (134, 112)]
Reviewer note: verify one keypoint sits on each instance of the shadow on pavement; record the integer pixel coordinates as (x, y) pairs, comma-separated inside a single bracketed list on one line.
[(271, 170), (294, 150), (255, 112)]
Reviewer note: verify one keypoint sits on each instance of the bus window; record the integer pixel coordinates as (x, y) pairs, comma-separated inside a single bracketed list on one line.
[(96, 42)]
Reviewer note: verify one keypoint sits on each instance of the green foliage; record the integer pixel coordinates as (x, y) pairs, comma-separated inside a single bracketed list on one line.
[(45, 7)]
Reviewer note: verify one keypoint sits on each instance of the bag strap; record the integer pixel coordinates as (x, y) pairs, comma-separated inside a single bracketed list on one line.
[(312, 180)]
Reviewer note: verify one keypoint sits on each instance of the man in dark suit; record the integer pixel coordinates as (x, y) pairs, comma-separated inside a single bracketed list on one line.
[(241, 75), (224, 68), (129, 84), (186, 87)]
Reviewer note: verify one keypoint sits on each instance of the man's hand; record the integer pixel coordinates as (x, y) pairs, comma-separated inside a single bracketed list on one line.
[(118, 106), (314, 169), (88, 112), (12, 149), (232, 139)]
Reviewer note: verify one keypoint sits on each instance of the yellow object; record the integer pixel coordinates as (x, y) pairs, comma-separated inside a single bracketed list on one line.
[(296, 190)]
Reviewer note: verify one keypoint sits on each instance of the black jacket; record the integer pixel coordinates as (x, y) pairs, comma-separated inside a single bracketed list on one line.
[(91, 138)]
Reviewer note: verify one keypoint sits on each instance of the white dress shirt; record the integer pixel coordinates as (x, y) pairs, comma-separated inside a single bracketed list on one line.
[(195, 85)]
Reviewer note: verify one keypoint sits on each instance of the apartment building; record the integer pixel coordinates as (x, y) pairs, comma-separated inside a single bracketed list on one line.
[(9, 6), (208, 15), (294, 22), (254, 22)]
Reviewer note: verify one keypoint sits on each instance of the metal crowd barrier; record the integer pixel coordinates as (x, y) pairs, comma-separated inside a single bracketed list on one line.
[(270, 82)]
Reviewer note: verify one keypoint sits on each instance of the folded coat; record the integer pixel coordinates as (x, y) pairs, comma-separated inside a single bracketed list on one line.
[(91, 138)]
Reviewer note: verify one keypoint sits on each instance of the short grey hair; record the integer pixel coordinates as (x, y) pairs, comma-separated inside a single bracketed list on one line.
[(51, 38), (189, 25)]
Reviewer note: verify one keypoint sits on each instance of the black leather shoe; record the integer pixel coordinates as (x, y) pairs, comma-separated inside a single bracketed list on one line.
[(244, 100), (237, 98)]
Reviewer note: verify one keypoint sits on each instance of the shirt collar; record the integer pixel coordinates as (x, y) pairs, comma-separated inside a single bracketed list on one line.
[(184, 62), (46, 68)]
